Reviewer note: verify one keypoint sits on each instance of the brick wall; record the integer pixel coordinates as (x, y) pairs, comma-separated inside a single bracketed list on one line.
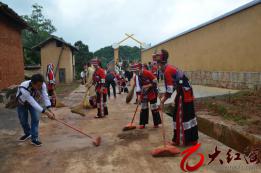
[(11, 54)]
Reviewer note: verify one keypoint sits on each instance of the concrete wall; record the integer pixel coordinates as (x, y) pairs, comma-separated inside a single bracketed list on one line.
[(229, 45), (50, 54), (11, 54)]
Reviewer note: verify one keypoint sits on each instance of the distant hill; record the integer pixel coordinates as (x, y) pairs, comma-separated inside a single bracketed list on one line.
[(125, 53)]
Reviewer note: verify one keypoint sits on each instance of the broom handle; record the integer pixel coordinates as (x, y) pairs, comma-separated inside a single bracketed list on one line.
[(101, 106), (87, 91), (163, 127), (78, 130), (89, 87), (134, 113)]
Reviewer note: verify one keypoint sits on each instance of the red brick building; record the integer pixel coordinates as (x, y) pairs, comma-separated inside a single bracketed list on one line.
[(11, 50)]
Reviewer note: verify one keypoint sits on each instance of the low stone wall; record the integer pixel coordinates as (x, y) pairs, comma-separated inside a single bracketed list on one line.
[(8, 96), (233, 80), (231, 135), (228, 135)]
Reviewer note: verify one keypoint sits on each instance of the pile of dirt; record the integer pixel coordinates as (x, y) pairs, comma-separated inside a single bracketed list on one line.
[(133, 135), (244, 108)]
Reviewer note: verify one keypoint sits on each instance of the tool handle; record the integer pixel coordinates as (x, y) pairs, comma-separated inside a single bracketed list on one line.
[(134, 113), (90, 87), (163, 127), (78, 130), (87, 91)]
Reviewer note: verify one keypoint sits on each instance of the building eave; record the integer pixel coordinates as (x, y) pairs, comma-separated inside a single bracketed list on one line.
[(15, 17), (54, 38)]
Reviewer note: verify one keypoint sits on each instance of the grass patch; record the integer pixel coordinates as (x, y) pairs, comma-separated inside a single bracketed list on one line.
[(243, 108), (226, 110)]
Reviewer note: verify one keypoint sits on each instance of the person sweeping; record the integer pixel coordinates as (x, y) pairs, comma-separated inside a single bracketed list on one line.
[(154, 68), (100, 89), (137, 87), (111, 81), (148, 84), (184, 117), (90, 95), (29, 94)]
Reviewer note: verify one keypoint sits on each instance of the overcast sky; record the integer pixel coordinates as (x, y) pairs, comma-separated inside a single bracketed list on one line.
[(101, 23)]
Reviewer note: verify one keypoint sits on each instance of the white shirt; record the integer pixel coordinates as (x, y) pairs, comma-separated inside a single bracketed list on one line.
[(27, 97), (138, 89), (82, 74)]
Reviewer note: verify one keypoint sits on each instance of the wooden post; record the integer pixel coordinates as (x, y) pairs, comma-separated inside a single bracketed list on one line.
[(116, 55)]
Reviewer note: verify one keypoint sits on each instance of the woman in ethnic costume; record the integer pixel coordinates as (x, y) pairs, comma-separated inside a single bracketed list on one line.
[(184, 117)]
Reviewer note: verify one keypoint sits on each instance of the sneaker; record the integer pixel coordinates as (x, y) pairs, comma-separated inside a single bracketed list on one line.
[(36, 143), (24, 138)]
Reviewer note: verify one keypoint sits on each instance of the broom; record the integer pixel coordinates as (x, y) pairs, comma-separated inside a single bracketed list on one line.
[(79, 110), (130, 94), (130, 126), (167, 149), (86, 103), (95, 141)]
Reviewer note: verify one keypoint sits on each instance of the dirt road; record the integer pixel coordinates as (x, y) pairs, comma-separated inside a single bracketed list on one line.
[(66, 151)]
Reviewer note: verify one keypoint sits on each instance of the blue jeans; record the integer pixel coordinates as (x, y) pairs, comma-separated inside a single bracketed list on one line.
[(23, 117)]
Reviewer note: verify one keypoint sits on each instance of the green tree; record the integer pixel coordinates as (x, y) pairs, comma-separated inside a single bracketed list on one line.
[(126, 53), (43, 27), (82, 57), (105, 55), (129, 53)]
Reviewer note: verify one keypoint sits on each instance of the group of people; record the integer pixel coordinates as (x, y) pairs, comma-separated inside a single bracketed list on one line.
[(98, 82), (146, 83), (185, 129)]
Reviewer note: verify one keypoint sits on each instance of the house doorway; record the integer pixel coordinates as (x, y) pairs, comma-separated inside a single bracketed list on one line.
[(62, 75)]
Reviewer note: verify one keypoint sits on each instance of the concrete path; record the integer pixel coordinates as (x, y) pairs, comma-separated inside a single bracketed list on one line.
[(204, 91), (66, 151)]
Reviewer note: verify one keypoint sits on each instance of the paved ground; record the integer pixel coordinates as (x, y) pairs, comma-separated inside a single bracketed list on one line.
[(64, 150), (204, 91)]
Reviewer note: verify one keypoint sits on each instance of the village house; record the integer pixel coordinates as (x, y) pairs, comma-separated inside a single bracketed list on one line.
[(223, 52), (60, 53), (11, 49)]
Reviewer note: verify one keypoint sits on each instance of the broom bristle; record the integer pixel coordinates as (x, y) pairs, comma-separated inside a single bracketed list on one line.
[(130, 95), (79, 110), (97, 141), (129, 127), (59, 104), (167, 151)]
